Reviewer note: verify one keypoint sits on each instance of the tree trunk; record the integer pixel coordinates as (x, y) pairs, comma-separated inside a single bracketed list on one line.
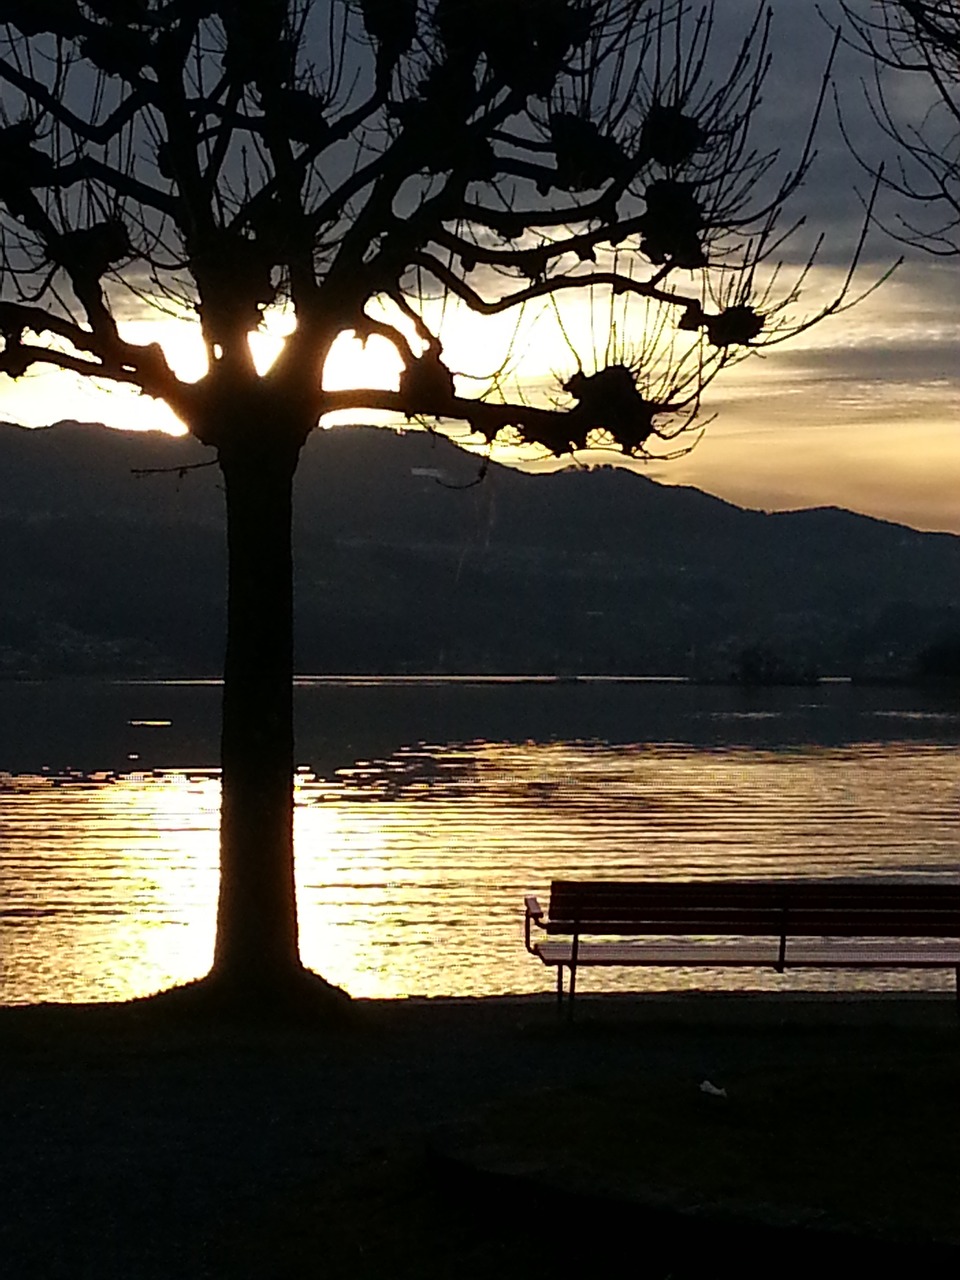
[(256, 972), (256, 943)]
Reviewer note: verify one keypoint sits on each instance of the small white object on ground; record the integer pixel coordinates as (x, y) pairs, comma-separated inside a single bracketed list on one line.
[(707, 1086)]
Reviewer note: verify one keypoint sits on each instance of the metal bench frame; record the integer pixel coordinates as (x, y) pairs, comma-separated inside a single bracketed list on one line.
[(856, 924)]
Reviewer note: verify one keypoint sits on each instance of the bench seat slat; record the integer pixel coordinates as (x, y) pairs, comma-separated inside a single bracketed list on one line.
[(568, 898), (751, 890), (658, 953), (857, 889), (846, 924), (754, 955), (901, 954)]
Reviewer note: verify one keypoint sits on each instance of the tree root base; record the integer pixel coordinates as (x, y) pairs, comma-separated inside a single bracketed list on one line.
[(299, 998)]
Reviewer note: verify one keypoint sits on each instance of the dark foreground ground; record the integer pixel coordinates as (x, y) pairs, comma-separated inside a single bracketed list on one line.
[(424, 1141)]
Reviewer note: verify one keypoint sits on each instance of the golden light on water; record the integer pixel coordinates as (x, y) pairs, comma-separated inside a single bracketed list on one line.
[(411, 871), (113, 881)]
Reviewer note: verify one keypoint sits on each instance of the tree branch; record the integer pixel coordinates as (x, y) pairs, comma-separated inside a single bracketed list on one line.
[(15, 360), (87, 168), (101, 133), (610, 279), (146, 365)]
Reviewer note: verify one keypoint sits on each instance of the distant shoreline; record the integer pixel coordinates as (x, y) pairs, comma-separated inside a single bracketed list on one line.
[(425, 678)]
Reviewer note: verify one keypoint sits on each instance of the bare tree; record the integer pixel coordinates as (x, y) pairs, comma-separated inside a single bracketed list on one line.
[(347, 160), (919, 37)]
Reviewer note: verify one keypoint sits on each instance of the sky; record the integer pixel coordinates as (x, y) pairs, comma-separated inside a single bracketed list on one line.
[(860, 411)]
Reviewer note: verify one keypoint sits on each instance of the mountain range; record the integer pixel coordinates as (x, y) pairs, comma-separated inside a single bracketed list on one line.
[(112, 552)]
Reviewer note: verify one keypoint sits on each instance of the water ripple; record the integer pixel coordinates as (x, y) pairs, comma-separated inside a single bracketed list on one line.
[(412, 868)]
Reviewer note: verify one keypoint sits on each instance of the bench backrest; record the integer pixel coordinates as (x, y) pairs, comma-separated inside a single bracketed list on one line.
[(836, 908)]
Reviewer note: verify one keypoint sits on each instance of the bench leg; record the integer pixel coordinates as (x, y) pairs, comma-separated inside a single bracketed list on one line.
[(572, 992), (574, 956)]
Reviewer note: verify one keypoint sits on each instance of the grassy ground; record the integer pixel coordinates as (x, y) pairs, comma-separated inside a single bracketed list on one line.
[(852, 1148), (481, 1139), (870, 1146), (387, 1216)]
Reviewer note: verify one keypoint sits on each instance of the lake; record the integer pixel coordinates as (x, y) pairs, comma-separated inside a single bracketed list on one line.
[(427, 809)]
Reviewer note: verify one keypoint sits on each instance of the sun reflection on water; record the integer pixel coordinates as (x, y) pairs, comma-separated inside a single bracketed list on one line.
[(109, 883), (411, 870)]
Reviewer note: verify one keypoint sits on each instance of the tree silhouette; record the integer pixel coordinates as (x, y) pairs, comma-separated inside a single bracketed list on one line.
[(920, 37), (348, 161)]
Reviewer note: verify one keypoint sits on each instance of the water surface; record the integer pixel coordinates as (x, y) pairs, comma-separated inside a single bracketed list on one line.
[(426, 810)]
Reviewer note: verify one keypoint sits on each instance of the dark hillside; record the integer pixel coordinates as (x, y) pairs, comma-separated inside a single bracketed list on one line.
[(398, 569)]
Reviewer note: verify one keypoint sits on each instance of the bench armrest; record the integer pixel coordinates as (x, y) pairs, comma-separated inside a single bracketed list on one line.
[(534, 912)]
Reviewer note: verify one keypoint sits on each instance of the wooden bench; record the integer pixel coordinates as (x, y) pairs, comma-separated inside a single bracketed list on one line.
[(778, 924)]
